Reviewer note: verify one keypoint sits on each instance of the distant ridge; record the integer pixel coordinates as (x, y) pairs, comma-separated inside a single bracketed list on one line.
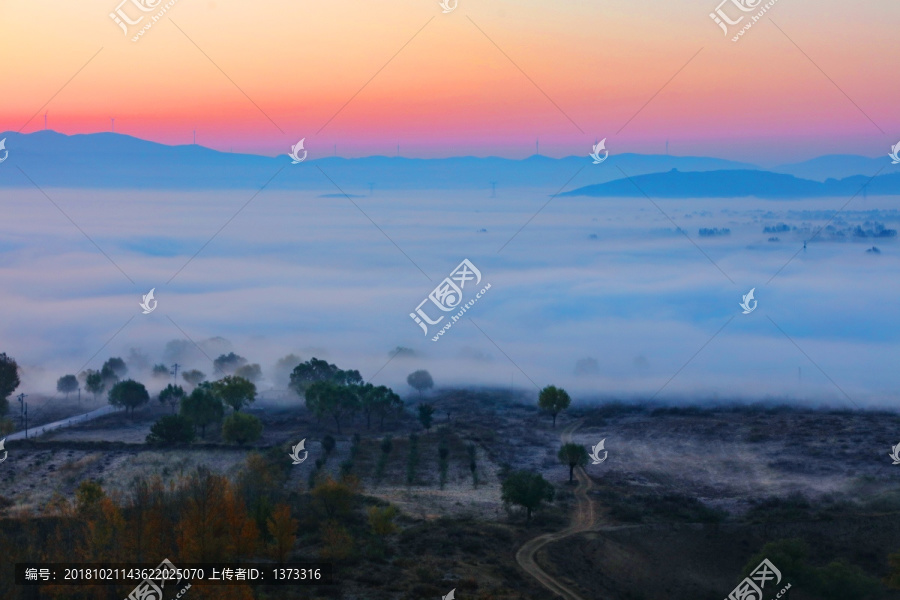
[(736, 184), (112, 160), (117, 161)]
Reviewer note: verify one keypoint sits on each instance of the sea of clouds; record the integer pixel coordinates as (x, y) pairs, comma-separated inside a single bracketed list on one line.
[(606, 279)]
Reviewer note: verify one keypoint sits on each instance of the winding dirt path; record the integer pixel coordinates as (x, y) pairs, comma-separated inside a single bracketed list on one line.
[(582, 520)]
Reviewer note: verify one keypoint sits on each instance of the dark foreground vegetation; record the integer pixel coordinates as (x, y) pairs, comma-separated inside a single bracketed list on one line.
[(412, 498)]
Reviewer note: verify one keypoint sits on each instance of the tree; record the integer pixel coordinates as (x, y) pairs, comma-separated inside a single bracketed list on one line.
[(227, 363), (94, 383), (88, 495), (328, 398), (554, 400), (527, 489), (66, 385), (381, 519), (378, 400), (572, 455), (114, 369), (426, 412), (283, 529), (315, 370), (171, 394), (328, 444), (235, 391), (160, 371), (241, 428), (249, 372), (193, 377), (202, 407), (335, 499), (128, 394), (171, 429), (420, 381), (9, 380)]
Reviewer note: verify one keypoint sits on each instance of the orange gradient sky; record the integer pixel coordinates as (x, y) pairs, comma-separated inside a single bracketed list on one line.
[(256, 77)]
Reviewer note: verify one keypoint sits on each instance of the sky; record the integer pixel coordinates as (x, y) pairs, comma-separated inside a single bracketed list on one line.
[(489, 78)]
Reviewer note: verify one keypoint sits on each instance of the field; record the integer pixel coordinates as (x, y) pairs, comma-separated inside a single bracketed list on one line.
[(686, 498)]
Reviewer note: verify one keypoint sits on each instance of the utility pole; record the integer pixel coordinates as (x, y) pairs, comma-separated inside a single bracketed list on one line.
[(174, 373), (113, 122), (45, 120), (26, 420), (21, 399), (79, 395), (195, 137)]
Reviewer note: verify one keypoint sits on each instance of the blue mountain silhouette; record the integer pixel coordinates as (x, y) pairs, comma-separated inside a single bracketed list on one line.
[(111, 160), (736, 184)]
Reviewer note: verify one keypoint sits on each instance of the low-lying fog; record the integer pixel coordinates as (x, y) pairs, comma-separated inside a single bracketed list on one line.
[(607, 280)]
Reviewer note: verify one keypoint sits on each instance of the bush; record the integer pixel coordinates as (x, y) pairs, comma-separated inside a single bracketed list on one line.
[(172, 429), (241, 428)]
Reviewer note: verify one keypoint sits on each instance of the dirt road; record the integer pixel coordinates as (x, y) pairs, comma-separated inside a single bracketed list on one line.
[(582, 520)]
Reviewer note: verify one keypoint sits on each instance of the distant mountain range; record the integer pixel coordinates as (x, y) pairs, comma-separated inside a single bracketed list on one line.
[(116, 161), (737, 184)]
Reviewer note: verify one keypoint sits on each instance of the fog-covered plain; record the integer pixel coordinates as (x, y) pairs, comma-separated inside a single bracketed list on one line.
[(612, 280)]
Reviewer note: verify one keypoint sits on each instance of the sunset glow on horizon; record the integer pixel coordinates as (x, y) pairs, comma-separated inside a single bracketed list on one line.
[(489, 78)]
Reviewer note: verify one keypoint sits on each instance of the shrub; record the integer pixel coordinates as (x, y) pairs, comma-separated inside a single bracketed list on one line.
[(241, 428), (172, 429)]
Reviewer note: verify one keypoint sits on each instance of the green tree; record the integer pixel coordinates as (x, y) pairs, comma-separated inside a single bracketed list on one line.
[(171, 429), (526, 489), (316, 370), (202, 407), (384, 401), (193, 377), (554, 400), (66, 385), (426, 413), (235, 391), (328, 398), (573, 455), (228, 363), (420, 380), (114, 370), (241, 428), (9, 380), (171, 394), (128, 394), (95, 383)]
